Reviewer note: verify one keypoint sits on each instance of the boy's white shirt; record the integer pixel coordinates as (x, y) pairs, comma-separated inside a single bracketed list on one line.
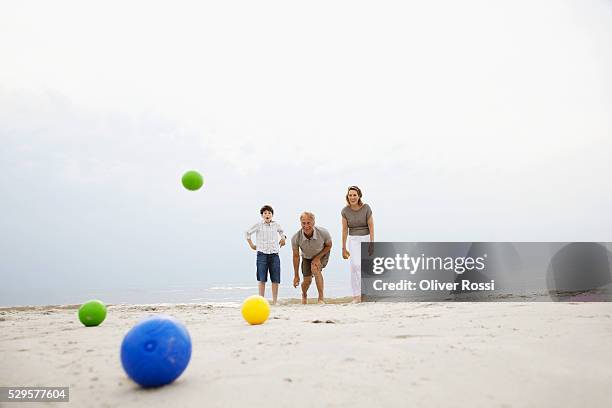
[(267, 236)]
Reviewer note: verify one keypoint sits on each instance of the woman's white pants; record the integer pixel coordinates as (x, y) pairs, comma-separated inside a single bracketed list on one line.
[(354, 248)]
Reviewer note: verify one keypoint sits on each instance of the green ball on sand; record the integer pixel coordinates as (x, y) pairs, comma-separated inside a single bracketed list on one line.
[(92, 313), (192, 180)]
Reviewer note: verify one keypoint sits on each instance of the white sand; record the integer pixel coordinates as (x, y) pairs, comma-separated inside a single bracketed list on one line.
[(396, 355)]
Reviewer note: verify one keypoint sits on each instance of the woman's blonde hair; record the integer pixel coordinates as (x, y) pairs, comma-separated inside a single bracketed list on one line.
[(358, 191)]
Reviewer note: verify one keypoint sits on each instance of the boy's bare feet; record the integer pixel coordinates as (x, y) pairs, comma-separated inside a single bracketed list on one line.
[(321, 302), (304, 299)]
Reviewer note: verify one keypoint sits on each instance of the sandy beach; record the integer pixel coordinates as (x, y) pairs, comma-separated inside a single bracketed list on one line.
[(335, 355)]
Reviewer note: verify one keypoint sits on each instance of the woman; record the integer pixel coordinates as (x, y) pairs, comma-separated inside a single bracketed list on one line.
[(358, 224)]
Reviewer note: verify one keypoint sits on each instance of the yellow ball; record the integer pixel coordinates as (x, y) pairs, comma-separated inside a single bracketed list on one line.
[(255, 309)]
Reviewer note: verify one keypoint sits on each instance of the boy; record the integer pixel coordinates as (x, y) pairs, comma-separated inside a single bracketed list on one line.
[(267, 233)]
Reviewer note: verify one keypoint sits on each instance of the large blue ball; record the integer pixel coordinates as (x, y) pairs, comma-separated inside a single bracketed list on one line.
[(156, 351)]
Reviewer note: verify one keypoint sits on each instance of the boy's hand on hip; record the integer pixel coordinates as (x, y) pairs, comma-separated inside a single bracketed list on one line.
[(253, 247)]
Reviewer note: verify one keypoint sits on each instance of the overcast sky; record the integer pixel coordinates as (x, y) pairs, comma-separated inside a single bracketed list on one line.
[(461, 121)]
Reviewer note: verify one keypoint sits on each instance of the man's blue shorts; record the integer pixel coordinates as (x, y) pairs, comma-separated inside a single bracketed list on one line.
[(265, 263)]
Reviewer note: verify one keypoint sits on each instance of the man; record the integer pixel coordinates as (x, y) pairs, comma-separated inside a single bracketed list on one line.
[(315, 244)]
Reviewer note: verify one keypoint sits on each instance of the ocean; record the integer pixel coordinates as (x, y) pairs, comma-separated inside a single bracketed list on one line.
[(226, 293)]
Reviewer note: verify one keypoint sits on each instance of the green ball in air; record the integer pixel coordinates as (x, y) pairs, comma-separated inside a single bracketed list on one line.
[(192, 180), (92, 313)]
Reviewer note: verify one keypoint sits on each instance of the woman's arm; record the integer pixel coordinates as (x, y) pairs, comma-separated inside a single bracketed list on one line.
[(371, 227), (345, 253)]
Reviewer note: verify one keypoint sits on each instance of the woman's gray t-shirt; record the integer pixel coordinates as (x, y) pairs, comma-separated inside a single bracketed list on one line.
[(357, 220)]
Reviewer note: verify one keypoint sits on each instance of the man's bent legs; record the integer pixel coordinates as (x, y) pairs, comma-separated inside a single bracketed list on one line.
[(319, 282), (305, 285)]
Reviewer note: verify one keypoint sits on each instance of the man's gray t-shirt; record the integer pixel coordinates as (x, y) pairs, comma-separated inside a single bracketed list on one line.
[(357, 220), (311, 246)]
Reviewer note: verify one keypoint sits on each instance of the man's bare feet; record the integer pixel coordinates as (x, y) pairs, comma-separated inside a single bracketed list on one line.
[(321, 302), (356, 299), (304, 299)]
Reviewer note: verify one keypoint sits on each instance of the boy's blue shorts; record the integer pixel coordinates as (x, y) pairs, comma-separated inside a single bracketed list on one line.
[(265, 263)]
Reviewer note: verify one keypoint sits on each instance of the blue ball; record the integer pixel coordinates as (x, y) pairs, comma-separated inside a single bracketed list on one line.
[(156, 351)]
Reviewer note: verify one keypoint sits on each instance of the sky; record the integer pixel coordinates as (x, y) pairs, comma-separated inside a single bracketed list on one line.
[(460, 121)]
